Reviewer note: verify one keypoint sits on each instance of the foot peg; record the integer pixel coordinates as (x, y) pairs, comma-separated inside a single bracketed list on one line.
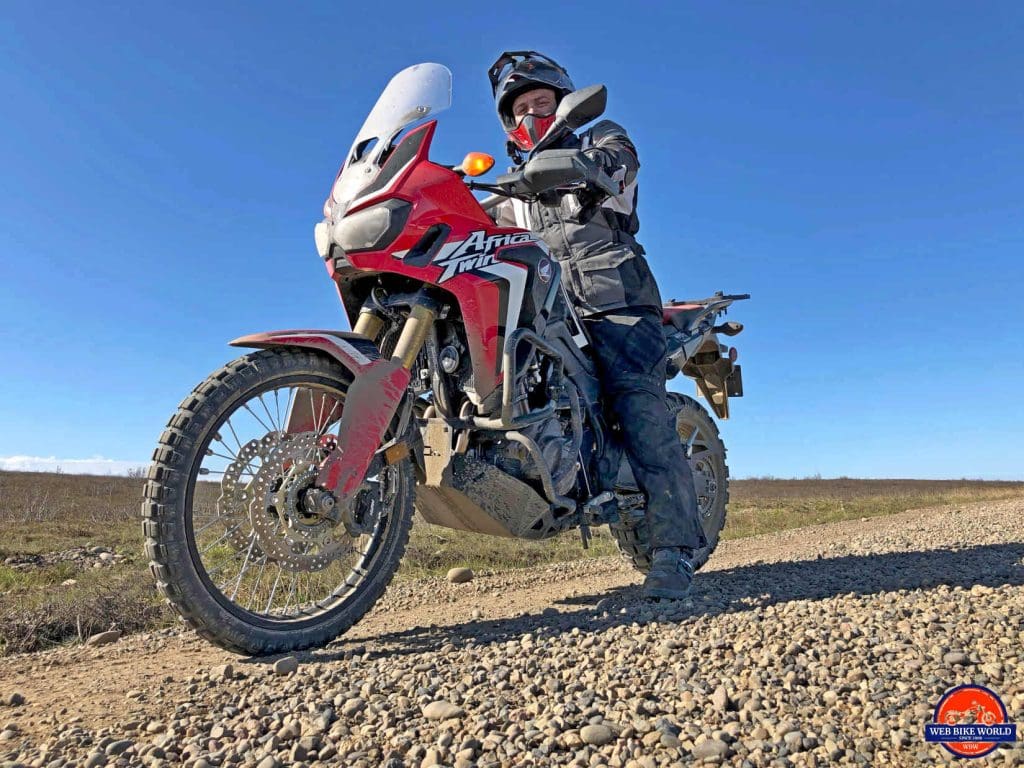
[(602, 509)]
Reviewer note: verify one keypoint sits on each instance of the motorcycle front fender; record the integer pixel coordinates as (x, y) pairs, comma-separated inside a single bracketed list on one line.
[(372, 399), (352, 350)]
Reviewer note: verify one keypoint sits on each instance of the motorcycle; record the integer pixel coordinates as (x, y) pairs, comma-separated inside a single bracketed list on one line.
[(282, 491)]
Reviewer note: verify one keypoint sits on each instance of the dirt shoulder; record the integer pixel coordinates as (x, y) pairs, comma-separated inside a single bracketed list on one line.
[(823, 583)]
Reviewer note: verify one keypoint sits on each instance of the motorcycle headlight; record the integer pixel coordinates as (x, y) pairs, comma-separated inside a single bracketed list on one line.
[(373, 228)]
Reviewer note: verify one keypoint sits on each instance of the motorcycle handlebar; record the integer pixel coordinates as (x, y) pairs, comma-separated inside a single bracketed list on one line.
[(553, 170)]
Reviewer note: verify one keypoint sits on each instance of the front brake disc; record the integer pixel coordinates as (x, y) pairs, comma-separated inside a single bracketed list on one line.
[(236, 495), (275, 514)]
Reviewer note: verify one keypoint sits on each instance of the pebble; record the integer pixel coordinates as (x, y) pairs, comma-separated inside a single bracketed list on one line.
[(710, 748), (117, 747), (596, 735), (104, 638), (442, 710), (286, 665), (720, 699), (460, 575), (781, 659), (955, 658)]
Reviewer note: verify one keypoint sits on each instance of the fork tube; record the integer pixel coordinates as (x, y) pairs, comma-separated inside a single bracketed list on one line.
[(414, 334), (369, 324)]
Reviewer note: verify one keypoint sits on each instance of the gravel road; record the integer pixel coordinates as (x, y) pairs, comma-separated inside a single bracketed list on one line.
[(819, 646)]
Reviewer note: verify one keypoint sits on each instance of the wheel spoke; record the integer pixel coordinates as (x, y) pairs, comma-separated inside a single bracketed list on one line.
[(329, 421), (270, 418), (273, 589), (253, 590), (250, 410), (227, 533), (245, 564), (228, 422)]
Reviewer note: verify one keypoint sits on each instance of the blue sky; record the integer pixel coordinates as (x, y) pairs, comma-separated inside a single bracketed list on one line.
[(855, 167)]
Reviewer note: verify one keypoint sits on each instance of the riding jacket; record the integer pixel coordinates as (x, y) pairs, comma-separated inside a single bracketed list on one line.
[(590, 234)]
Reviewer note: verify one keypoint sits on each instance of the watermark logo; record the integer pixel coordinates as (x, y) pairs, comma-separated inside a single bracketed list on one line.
[(970, 721)]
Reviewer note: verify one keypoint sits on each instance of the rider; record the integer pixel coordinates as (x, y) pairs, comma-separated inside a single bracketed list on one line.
[(592, 236)]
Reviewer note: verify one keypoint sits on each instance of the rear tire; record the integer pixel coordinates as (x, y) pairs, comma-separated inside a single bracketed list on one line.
[(175, 559), (711, 479)]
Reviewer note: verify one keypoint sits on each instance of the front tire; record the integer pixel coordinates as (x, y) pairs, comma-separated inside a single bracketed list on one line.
[(258, 506), (711, 480)]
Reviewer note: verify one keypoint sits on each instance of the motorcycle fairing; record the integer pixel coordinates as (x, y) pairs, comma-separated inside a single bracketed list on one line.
[(488, 289)]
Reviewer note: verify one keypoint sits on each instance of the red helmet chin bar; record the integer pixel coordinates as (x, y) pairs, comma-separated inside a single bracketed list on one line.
[(530, 130)]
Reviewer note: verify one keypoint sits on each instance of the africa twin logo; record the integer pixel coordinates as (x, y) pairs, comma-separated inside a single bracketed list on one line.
[(475, 252)]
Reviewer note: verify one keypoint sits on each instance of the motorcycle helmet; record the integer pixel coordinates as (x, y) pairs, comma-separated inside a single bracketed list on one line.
[(516, 72)]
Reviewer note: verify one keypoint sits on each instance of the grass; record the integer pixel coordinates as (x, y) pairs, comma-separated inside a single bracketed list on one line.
[(42, 513)]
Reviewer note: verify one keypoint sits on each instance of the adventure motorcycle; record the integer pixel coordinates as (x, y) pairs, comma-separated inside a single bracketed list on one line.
[(281, 493)]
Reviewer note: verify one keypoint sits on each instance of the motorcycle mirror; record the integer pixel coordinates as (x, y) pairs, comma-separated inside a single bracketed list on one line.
[(580, 107), (574, 111), (475, 164)]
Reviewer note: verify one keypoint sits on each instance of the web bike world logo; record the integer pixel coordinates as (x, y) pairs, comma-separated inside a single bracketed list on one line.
[(475, 252), (970, 721)]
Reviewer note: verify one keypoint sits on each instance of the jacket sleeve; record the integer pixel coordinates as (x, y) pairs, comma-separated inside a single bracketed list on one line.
[(610, 145)]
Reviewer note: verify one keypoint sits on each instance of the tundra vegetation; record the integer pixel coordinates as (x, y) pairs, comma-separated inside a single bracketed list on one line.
[(71, 561)]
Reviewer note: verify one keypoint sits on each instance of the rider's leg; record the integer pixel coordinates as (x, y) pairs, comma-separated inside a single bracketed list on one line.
[(629, 346)]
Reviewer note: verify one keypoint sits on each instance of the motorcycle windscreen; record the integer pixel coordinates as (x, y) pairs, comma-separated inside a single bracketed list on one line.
[(413, 95)]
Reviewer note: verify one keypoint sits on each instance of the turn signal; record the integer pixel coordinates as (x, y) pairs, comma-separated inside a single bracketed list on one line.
[(476, 164)]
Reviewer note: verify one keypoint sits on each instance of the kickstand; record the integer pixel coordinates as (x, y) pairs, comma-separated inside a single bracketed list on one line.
[(585, 535)]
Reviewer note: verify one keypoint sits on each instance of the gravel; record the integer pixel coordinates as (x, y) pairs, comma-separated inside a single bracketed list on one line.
[(823, 646)]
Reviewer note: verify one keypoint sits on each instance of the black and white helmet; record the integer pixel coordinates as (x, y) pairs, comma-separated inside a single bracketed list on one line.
[(517, 71)]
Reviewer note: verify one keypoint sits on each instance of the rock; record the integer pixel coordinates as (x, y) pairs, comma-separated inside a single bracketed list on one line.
[(222, 672), (460, 575), (103, 638), (431, 758), (269, 762), (794, 740), (70, 583), (955, 658), (710, 748), (118, 747), (95, 760), (353, 707), (720, 699), (669, 740), (442, 710), (286, 666), (596, 734), (15, 700)]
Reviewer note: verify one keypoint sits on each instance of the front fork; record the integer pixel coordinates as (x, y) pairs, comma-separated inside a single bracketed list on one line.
[(372, 401)]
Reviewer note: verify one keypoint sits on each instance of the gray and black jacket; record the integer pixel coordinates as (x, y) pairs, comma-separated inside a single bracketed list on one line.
[(591, 234)]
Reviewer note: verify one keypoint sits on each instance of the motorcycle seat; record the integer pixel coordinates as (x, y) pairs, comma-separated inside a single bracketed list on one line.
[(680, 315)]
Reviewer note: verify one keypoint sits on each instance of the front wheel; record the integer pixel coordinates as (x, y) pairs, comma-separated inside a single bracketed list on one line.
[(243, 544), (699, 435)]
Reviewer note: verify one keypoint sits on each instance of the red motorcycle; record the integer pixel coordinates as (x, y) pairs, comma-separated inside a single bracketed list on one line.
[(281, 493)]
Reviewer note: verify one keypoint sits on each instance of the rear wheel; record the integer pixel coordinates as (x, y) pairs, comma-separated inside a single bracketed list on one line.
[(242, 542), (699, 434)]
